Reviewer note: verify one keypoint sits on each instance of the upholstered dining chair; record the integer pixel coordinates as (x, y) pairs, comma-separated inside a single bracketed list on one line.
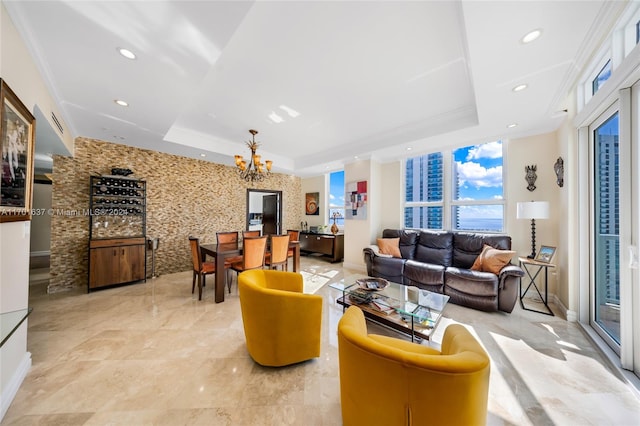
[(253, 251), (421, 385), (250, 234), (228, 237), (294, 235), (282, 325), (200, 269), (278, 253)]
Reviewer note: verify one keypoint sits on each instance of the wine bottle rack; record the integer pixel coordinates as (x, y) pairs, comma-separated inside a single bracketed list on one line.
[(117, 231)]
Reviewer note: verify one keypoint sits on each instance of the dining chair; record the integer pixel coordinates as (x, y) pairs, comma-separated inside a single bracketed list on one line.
[(278, 254), (250, 234), (253, 251), (200, 268), (294, 235), (228, 237)]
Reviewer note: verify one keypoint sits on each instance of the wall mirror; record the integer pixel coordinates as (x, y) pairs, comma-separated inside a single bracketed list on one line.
[(264, 211)]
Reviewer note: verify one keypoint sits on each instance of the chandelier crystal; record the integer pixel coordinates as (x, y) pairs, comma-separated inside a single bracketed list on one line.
[(255, 171)]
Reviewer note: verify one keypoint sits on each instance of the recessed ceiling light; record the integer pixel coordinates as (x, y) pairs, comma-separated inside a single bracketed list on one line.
[(530, 36), (126, 53), (120, 102), (203, 155), (409, 148), (512, 125), (519, 87)]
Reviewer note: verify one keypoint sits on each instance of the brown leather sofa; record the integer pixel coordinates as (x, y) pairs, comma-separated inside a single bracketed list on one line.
[(441, 262)]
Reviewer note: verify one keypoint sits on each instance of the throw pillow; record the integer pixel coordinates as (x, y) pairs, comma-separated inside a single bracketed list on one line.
[(477, 265), (390, 246), (493, 260), (376, 250)]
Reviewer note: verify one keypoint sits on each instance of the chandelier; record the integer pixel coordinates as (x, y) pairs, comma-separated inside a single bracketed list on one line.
[(255, 170)]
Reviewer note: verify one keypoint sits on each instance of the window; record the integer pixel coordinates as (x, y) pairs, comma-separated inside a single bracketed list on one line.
[(423, 189), (336, 197), (477, 201), (473, 201), (601, 78)]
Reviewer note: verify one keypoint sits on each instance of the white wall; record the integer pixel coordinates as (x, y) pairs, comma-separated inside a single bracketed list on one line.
[(15, 361), (542, 151), (41, 223), (316, 184), (20, 73), (359, 233)]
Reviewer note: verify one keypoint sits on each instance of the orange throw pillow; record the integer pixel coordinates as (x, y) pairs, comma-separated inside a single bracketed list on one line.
[(390, 246), (492, 260)]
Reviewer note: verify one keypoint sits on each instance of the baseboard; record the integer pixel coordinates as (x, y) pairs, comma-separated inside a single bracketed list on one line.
[(11, 390), (40, 253), (571, 316)]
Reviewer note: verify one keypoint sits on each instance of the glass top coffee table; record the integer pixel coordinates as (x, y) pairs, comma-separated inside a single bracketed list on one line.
[(406, 309)]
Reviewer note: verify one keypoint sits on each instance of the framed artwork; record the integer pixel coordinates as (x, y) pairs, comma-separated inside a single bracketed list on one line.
[(311, 204), (546, 254), (17, 130), (356, 200)]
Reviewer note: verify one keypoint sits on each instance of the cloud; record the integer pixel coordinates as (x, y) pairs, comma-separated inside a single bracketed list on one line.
[(478, 176), (486, 150)]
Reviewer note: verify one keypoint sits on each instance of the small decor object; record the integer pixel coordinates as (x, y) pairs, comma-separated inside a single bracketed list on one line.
[(255, 170), (312, 207), (546, 254), (334, 227), (17, 129), (531, 176), (117, 171), (558, 167), (372, 284), (533, 210), (356, 200)]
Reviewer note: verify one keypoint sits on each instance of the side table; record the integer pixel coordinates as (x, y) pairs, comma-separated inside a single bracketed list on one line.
[(536, 267)]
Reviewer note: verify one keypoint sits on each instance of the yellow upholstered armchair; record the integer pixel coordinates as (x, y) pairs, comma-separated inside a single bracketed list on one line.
[(282, 325), (388, 381)]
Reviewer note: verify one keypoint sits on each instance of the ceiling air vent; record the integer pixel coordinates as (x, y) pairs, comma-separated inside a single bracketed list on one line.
[(58, 125)]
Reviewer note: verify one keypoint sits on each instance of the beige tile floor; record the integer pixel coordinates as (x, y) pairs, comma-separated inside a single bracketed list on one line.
[(152, 354)]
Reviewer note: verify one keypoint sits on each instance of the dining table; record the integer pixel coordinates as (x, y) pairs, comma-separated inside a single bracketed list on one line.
[(224, 250)]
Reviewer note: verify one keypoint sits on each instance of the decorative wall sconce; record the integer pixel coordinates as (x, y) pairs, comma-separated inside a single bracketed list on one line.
[(558, 167), (531, 176)]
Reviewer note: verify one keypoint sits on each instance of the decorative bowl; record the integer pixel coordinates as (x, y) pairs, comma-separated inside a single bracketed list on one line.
[(372, 284)]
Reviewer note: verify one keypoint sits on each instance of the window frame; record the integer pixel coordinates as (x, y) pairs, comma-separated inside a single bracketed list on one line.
[(449, 182)]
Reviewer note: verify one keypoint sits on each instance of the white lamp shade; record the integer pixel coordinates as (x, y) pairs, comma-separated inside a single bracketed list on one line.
[(533, 210)]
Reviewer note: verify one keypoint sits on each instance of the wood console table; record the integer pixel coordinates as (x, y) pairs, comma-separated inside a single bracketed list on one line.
[(326, 244)]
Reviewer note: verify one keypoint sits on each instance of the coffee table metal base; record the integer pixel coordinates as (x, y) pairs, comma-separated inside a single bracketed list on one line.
[(392, 321)]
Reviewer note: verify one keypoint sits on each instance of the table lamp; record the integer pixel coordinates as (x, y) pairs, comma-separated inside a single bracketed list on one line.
[(533, 210)]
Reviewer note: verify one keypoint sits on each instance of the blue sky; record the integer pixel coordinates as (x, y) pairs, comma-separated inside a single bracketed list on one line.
[(480, 171)]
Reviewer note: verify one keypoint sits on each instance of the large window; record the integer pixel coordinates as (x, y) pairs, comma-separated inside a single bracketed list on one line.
[(336, 197), (468, 196)]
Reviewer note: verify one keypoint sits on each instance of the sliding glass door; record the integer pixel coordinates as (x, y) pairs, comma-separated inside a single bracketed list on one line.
[(605, 314)]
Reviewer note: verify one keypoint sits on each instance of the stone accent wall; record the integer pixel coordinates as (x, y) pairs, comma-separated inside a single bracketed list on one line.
[(184, 197)]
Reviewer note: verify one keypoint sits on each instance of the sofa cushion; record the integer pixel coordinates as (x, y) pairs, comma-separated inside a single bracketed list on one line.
[(435, 247), (389, 246), (492, 260), (408, 239), (424, 273), (481, 284), (467, 247)]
